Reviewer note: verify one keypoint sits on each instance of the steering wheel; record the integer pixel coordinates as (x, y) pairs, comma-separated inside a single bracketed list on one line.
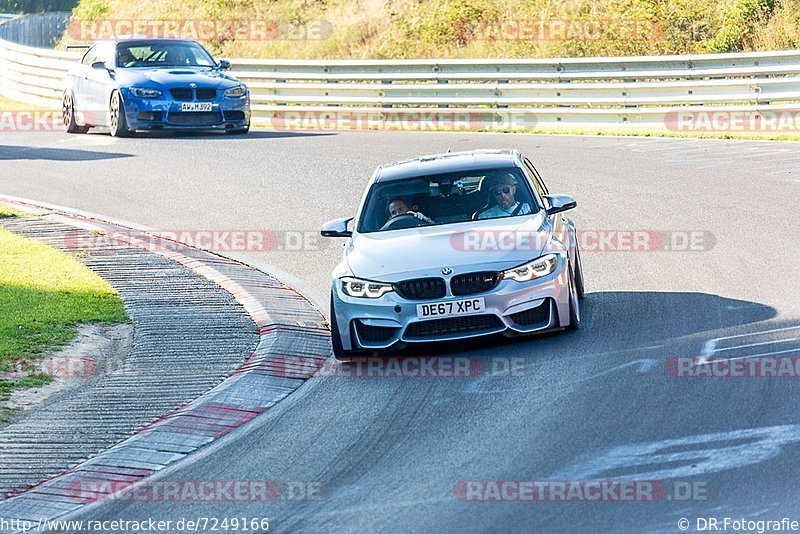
[(404, 220)]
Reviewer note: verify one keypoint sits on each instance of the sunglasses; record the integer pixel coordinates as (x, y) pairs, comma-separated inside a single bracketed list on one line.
[(501, 191)]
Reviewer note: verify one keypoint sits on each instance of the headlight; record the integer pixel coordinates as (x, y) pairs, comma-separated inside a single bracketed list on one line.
[(236, 92), (145, 92), (536, 269), (364, 288)]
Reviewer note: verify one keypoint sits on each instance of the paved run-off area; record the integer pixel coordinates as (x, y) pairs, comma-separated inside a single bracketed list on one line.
[(194, 324), (188, 335)]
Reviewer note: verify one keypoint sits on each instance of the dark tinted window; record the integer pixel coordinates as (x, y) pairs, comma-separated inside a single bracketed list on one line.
[(440, 199)]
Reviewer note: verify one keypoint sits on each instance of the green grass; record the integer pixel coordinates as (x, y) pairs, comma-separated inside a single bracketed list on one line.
[(370, 29), (659, 132), (6, 104), (8, 211), (44, 296)]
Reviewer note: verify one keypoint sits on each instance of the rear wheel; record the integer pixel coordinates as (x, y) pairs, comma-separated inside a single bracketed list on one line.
[(68, 116), (117, 122), (339, 352)]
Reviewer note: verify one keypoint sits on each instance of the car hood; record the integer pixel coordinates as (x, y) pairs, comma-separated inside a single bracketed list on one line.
[(177, 76), (464, 247)]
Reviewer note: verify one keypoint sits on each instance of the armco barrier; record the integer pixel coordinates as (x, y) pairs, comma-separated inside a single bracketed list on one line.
[(547, 92)]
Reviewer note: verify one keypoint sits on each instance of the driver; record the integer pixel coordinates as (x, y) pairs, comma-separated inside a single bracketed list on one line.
[(400, 206), (124, 56), (502, 192)]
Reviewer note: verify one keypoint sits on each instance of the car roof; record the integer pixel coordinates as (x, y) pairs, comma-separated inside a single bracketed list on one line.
[(145, 38), (447, 162)]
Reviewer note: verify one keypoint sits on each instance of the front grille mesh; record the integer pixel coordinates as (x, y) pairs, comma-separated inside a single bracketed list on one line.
[(234, 115), (374, 334), (421, 288), (453, 325), (471, 283), (195, 118), (183, 94), (206, 93), (539, 314)]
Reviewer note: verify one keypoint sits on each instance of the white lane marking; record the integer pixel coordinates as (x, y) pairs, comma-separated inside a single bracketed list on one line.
[(710, 346), (696, 455), (737, 358), (775, 160), (760, 343), (644, 366)]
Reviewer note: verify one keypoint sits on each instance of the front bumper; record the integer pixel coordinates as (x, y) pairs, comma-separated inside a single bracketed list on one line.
[(511, 308), (165, 114)]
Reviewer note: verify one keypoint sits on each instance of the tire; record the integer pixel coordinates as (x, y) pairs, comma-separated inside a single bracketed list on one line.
[(117, 123), (339, 352), (580, 286), (574, 305), (68, 116)]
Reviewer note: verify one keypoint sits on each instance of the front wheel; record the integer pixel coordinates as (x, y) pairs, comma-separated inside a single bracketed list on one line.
[(117, 122), (574, 305), (68, 116), (579, 282), (339, 352)]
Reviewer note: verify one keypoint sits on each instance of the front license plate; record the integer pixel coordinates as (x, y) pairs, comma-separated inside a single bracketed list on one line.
[(196, 106), (451, 308)]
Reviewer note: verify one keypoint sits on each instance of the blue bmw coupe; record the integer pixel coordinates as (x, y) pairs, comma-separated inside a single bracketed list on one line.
[(153, 84)]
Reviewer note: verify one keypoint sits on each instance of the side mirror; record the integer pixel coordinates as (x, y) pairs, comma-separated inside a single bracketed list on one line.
[(99, 65), (559, 203), (336, 228), (224, 64)]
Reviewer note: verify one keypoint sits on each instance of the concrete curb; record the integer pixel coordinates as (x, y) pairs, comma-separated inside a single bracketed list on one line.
[(288, 326)]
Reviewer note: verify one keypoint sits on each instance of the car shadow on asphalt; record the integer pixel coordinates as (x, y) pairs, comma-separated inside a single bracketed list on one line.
[(624, 319), (253, 134), (9, 152)]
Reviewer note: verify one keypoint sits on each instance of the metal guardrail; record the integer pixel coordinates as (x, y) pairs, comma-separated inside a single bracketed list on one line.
[(544, 92), (35, 29)]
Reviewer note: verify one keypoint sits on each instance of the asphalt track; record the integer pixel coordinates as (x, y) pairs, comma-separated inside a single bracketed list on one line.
[(594, 404)]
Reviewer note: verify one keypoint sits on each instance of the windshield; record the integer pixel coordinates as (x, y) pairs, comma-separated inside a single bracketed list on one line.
[(447, 198), (163, 54)]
